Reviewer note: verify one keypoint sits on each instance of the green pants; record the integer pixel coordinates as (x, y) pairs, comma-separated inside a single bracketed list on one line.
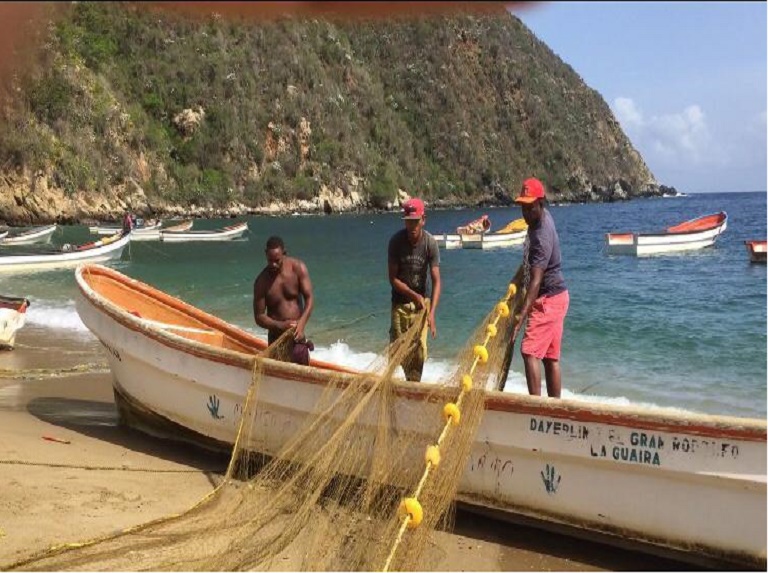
[(402, 317)]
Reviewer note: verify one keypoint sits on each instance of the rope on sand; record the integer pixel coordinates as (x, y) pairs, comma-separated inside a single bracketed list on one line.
[(106, 468)]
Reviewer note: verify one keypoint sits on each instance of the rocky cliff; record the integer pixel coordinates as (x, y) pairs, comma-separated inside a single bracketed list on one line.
[(130, 109)]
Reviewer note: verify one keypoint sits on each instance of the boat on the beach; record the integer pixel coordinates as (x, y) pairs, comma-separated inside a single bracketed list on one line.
[(694, 234), (30, 236), (756, 250), (226, 234), (512, 234), (65, 256), (13, 314), (687, 485)]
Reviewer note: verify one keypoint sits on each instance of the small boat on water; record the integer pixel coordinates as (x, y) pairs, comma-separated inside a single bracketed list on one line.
[(453, 240), (153, 233), (30, 236), (13, 314), (148, 230), (677, 483), (65, 256), (690, 235), (512, 234), (756, 250), (225, 234)]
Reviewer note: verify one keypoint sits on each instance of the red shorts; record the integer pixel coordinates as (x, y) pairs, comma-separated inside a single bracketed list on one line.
[(544, 331)]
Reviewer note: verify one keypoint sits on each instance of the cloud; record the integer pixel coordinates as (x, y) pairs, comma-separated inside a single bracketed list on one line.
[(681, 136), (627, 113)]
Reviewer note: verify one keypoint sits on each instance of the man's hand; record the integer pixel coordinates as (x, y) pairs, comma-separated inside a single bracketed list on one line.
[(286, 324), (419, 302), (299, 336)]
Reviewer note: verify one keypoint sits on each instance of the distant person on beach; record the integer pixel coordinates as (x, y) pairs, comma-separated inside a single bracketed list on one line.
[(546, 302), (282, 299), (413, 254), (127, 223)]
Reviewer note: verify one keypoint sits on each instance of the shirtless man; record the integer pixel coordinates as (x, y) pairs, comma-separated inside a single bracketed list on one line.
[(282, 293)]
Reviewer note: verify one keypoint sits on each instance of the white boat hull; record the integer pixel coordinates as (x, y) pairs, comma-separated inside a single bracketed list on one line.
[(230, 234), (11, 321), (492, 241), (41, 235), (691, 483), (448, 241), (639, 244), (68, 259), (148, 233)]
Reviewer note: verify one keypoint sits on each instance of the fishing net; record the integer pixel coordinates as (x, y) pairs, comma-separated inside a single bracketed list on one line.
[(360, 485)]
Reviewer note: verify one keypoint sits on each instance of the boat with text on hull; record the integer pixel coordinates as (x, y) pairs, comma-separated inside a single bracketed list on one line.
[(628, 474)]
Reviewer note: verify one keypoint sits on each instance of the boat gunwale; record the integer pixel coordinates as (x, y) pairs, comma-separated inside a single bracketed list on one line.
[(715, 426), (76, 254), (723, 219)]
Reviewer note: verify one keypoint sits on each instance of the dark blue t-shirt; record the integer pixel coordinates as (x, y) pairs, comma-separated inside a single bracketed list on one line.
[(544, 253)]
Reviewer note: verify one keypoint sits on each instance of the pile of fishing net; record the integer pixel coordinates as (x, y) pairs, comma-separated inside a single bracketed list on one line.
[(360, 486)]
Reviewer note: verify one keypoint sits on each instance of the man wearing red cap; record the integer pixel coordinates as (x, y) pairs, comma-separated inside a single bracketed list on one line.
[(412, 252), (546, 301)]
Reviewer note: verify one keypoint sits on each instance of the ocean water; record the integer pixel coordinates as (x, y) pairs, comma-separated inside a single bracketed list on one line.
[(683, 331)]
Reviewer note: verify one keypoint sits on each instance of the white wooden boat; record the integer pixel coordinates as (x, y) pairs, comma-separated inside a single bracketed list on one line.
[(453, 240), (690, 484), (144, 232), (66, 256), (690, 235), (225, 234), (756, 250), (30, 236), (13, 314), (513, 234), (153, 233), (3, 234), (448, 241)]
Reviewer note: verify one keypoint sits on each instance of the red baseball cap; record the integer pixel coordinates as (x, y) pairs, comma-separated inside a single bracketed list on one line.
[(413, 209), (532, 190)]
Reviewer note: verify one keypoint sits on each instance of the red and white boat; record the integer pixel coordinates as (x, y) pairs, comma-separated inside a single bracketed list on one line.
[(690, 235), (756, 250)]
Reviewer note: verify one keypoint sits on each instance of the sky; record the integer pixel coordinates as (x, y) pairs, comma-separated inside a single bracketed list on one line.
[(687, 81)]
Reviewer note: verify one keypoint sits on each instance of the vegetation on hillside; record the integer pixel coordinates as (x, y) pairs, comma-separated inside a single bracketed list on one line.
[(451, 108)]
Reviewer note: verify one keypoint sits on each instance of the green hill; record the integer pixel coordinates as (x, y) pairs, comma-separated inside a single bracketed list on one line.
[(130, 108)]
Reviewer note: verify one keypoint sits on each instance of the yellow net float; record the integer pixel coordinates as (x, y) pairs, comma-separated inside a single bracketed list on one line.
[(492, 330), (512, 290), (503, 309), (411, 506), (466, 382), (482, 353), (433, 455), (451, 412)]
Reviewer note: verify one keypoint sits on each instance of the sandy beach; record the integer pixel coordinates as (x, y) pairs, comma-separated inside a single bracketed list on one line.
[(69, 473)]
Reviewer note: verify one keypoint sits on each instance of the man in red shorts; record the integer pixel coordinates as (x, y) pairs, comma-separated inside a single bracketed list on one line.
[(546, 302)]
